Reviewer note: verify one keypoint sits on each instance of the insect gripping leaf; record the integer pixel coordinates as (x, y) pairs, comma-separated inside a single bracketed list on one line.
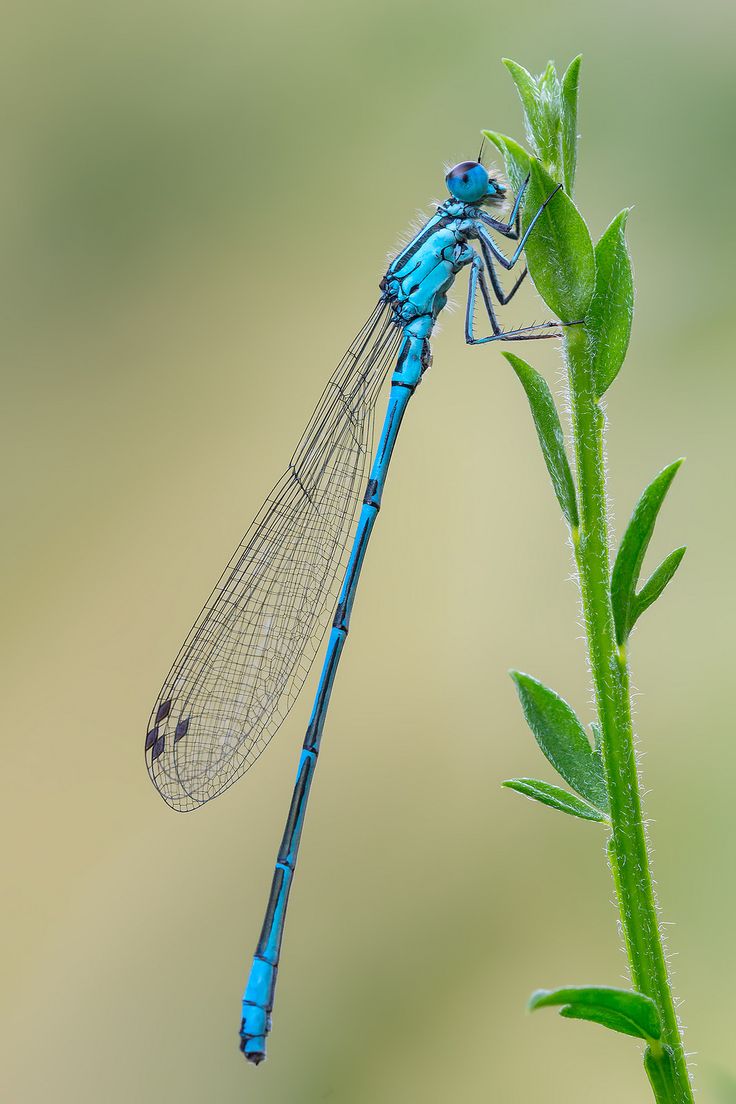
[(627, 604), (559, 252), (549, 432), (622, 1010), (555, 797), (562, 739), (608, 321)]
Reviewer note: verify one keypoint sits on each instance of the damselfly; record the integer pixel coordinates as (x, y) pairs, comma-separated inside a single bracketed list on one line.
[(248, 654)]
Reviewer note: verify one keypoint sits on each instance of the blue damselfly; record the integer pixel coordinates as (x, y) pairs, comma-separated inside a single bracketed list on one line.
[(249, 652)]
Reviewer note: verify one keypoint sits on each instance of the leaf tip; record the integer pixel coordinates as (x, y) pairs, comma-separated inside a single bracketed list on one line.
[(515, 361), (536, 999), (669, 473)]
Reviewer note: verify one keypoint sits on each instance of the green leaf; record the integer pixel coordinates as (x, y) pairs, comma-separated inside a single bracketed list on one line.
[(516, 160), (625, 575), (608, 320), (614, 1021), (562, 739), (530, 98), (570, 84), (541, 100), (549, 432), (655, 584), (554, 796), (559, 251), (619, 1009), (526, 86)]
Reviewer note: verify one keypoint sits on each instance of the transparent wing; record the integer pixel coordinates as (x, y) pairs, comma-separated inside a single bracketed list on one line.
[(249, 651)]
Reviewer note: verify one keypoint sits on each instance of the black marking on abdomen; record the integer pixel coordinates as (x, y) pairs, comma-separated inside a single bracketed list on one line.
[(338, 621), (371, 490), (297, 802), (276, 886)]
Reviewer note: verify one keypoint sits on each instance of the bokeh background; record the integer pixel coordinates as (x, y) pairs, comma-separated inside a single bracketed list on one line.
[(196, 201)]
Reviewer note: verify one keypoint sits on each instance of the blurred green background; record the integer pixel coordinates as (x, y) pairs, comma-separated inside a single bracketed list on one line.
[(196, 201)]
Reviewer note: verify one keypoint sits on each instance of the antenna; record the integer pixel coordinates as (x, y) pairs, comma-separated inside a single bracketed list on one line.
[(480, 152)]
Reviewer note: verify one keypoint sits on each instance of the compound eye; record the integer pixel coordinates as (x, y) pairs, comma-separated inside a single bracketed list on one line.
[(467, 181)]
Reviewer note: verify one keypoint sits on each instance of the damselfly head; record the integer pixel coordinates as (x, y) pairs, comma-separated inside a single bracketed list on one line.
[(496, 191), (470, 182)]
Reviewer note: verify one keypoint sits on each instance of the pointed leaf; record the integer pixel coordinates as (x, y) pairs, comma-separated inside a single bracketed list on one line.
[(547, 81), (655, 584), (549, 136), (608, 320), (625, 575), (554, 796), (570, 83), (528, 91), (620, 1009), (562, 739), (559, 251), (516, 160), (549, 432), (541, 99)]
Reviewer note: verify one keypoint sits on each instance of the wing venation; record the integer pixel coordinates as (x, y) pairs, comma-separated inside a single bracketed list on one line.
[(249, 651)]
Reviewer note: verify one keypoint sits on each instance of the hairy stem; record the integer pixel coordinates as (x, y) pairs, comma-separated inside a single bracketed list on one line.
[(627, 846)]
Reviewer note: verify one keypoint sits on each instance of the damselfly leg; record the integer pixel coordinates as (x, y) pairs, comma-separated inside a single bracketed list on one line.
[(503, 297), (523, 333), (512, 227)]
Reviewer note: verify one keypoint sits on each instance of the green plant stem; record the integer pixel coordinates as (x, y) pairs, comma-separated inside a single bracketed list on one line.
[(627, 847)]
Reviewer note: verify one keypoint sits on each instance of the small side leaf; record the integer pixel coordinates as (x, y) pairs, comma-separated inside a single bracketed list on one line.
[(608, 321), (555, 797), (549, 432), (516, 160), (559, 251), (570, 83), (562, 739), (625, 575), (618, 1009), (655, 584), (614, 1021)]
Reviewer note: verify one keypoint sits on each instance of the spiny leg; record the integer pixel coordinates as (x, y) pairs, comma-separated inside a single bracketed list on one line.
[(511, 228), (502, 296), (523, 333), (508, 263)]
